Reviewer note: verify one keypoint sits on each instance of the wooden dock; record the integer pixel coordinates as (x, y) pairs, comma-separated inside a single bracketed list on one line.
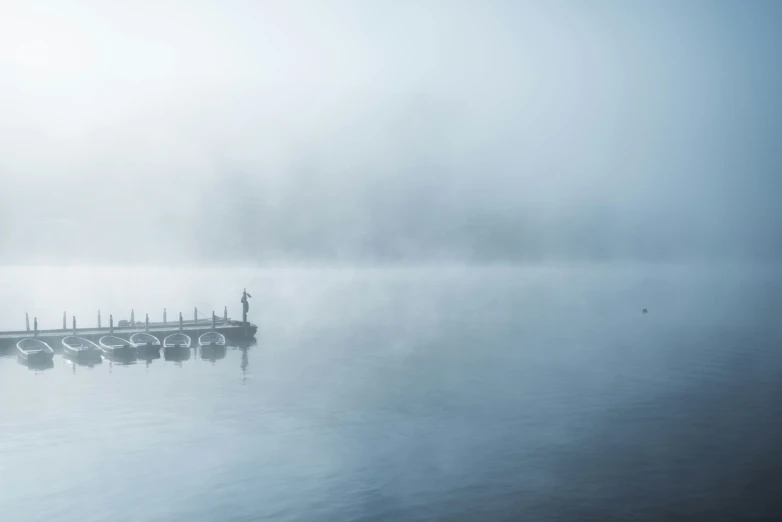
[(234, 331)]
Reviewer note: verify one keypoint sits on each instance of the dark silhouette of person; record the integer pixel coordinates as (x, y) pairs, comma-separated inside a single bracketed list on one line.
[(245, 304)]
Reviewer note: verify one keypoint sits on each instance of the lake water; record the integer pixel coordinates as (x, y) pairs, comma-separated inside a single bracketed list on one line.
[(406, 394)]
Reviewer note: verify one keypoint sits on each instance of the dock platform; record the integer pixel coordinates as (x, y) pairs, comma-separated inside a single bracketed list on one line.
[(234, 331)]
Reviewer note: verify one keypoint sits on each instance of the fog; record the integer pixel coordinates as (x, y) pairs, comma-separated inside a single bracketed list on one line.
[(384, 132)]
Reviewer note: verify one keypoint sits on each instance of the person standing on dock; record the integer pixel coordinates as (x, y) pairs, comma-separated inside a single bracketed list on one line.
[(245, 305)]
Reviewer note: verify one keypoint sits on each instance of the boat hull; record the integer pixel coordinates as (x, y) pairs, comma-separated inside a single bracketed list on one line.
[(120, 352), (117, 348), (179, 352), (35, 357), (148, 349), (177, 339), (82, 355)]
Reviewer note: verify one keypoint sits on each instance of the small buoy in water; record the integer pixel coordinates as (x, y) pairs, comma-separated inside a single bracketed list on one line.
[(645, 311)]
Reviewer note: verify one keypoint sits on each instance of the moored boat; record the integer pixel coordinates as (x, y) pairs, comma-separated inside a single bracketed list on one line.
[(80, 349), (176, 347), (147, 345), (145, 341), (177, 340), (34, 350), (114, 346), (212, 346), (211, 339)]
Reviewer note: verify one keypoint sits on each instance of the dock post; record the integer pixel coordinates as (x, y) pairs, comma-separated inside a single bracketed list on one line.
[(214, 321), (132, 317), (180, 321), (98, 318), (35, 326), (111, 323), (146, 322), (74, 325), (164, 316), (64, 327), (195, 315), (225, 314), (27, 320)]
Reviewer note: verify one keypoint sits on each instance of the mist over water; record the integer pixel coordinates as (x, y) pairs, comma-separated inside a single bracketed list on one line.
[(450, 216), (268, 133)]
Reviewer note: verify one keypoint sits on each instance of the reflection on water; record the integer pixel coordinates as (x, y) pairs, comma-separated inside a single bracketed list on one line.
[(479, 395), (245, 364), (36, 366), (176, 353), (89, 359), (148, 354), (74, 365), (212, 352), (122, 359), (172, 354)]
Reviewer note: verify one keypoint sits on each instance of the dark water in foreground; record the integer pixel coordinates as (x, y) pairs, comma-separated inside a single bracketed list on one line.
[(478, 394)]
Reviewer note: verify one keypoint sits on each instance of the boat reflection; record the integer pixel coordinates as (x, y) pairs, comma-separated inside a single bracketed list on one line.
[(149, 355), (36, 365), (88, 360), (121, 359), (176, 353), (212, 352)]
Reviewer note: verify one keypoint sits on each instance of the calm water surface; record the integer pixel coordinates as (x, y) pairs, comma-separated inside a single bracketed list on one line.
[(406, 394)]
